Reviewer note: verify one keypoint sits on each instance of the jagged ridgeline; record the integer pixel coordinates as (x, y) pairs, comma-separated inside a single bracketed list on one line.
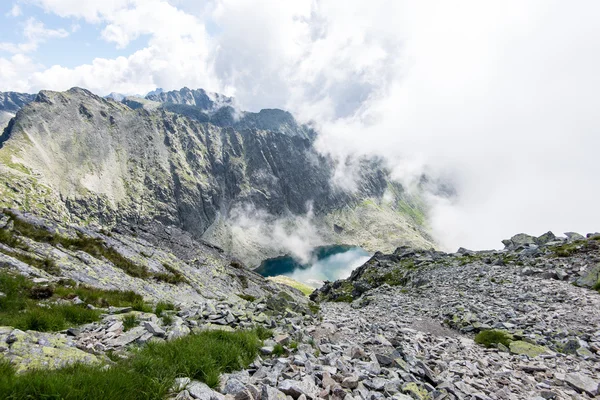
[(187, 159)]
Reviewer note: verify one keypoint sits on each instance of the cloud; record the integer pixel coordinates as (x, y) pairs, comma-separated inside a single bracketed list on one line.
[(332, 268), (500, 98), (15, 11), (35, 33), (293, 234)]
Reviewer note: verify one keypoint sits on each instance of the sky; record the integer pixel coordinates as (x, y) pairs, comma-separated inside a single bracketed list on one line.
[(500, 98)]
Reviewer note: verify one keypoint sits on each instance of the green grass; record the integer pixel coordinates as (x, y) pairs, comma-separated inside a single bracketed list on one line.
[(293, 345), (167, 319), (130, 321), (9, 238), (19, 310), (344, 298), (44, 264), (492, 337), (99, 297), (163, 306), (172, 275), (142, 306), (93, 246), (278, 350), (314, 307), (147, 374)]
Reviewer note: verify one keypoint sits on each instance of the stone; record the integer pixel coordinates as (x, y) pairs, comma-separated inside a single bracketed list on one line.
[(271, 393), (375, 383), (583, 383), (154, 329), (234, 386), (200, 390), (590, 277), (350, 382), (528, 349), (180, 384), (573, 236), (128, 337), (522, 239), (177, 331), (298, 388), (282, 339)]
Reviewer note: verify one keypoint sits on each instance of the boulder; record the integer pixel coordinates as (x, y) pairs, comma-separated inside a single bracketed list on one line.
[(583, 383)]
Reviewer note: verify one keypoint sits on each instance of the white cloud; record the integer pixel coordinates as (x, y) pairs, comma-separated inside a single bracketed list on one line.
[(35, 33), (500, 97), (15, 11)]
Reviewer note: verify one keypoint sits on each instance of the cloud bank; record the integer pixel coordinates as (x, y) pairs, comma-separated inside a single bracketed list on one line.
[(501, 98)]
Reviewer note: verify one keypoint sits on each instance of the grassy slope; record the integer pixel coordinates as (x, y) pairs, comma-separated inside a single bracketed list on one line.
[(148, 374)]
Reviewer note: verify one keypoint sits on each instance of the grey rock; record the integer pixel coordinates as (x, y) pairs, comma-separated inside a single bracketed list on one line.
[(200, 390), (583, 383), (350, 382), (298, 388), (154, 329), (573, 236)]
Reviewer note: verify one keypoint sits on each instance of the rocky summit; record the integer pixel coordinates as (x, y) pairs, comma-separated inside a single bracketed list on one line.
[(125, 268)]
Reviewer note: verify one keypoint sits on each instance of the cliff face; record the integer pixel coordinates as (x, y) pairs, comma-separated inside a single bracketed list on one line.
[(85, 159)]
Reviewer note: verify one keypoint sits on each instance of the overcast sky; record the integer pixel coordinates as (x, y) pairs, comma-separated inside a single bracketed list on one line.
[(500, 97)]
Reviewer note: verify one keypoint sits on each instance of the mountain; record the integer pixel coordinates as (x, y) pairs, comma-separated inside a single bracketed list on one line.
[(89, 160), (199, 98), (12, 101)]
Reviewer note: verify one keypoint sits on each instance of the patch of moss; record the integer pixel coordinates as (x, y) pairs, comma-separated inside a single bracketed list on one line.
[(246, 297), (491, 338)]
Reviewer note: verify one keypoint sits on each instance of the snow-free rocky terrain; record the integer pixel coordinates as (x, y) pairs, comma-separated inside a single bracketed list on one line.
[(118, 229), (402, 326)]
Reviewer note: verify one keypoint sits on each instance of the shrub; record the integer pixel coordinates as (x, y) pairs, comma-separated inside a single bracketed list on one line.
[(167, 319), (141, 306), (129, 322), (278, 350), (162, 306), (148, 374), (41, 292), (492, 337), (172, 275)]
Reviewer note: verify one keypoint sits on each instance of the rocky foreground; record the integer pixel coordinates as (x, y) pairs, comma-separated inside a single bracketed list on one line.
[(402, 326), (414, 340)]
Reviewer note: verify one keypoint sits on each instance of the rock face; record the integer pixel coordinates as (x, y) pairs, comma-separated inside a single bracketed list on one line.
[(90, 160), (12, 101)]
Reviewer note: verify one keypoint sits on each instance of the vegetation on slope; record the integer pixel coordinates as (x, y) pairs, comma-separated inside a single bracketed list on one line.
[(43, 308), (148, 374), (93, 246)]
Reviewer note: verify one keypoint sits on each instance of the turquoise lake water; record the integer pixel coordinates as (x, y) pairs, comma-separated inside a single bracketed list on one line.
[(328, 263)]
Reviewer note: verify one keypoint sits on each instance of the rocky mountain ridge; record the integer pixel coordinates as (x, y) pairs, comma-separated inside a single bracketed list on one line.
[(96, 161)]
